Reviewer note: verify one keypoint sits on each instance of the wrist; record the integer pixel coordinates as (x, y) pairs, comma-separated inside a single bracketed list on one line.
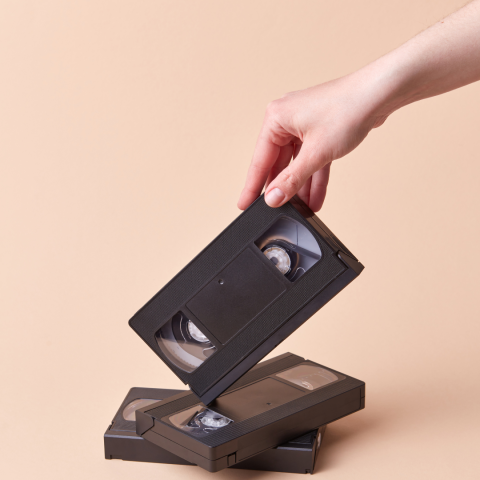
[(388, 85)]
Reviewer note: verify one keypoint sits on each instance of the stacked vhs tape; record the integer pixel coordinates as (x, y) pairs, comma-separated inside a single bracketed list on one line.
[(257, 282), (122, 442)]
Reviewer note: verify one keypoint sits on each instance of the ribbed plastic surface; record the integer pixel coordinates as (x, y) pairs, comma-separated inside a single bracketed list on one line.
[(261, 371), (306, 288), (217, 255), (172, 407), (265, 370), (237, 429)]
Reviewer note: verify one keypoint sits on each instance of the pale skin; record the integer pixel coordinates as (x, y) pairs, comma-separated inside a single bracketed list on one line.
[(324, 123)]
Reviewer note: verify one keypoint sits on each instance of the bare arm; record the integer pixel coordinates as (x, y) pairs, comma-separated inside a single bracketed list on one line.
[(323, 123)]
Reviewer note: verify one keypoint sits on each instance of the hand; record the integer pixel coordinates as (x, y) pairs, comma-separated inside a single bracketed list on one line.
[(320, 124), (314, 126)]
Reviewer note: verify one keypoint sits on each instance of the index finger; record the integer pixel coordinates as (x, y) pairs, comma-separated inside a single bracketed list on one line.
[(264, 157)]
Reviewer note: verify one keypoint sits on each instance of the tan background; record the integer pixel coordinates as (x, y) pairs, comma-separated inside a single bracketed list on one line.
[(126, 130)]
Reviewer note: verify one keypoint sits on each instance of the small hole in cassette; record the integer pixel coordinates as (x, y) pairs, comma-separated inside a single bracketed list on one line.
[(290, 246)]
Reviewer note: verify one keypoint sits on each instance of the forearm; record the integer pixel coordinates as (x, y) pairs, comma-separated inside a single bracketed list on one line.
[(326, 122), (444, 57)]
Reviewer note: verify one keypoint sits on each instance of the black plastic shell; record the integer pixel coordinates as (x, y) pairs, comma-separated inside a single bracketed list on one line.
[(122, 443), (247, 437), (255, 338)]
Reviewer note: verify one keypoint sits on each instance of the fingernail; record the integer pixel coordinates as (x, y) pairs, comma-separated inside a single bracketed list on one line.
[(275, 197)]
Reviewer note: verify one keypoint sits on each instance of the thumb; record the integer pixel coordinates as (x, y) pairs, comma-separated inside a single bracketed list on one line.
[(293, 177)]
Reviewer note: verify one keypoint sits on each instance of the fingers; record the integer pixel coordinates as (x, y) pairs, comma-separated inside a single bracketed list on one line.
[(264, 157), (272, 154), (318, 188), (294, 177), (284, 158), (314, 190), (304, 192)]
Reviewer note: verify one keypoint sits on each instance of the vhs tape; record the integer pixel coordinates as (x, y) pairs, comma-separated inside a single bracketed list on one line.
[(120, 440), (274, 402), (122, 443), (258, 281)]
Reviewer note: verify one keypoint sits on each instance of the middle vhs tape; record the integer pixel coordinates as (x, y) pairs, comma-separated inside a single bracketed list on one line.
[(257, 282), (122, 443), (273, 403)]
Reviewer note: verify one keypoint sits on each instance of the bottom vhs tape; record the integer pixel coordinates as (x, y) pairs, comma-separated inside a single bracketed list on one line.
[(276, 401), (122, 443)]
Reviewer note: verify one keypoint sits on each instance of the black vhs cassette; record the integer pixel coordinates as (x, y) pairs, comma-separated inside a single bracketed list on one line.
[(258, 281), (120, 440), (122, 443), (273, 403)]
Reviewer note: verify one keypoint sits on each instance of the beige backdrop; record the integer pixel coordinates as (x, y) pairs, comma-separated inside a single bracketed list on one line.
[(126, 130)]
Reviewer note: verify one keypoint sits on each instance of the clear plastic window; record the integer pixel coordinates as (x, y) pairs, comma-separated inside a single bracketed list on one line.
[(310, 377), (199, 421), (134, 405), (183, 343), (290, 246)]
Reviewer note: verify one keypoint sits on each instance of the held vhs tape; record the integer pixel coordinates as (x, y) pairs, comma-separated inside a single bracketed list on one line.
[(122, 443), (275, 402), (257, 282)]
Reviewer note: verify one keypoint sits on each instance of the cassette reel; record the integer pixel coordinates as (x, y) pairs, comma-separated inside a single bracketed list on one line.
[(290, 247), (199, 421), (184, 343)]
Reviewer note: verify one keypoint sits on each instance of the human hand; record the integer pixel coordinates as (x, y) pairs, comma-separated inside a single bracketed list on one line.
[(323, 123), (314, 126)]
